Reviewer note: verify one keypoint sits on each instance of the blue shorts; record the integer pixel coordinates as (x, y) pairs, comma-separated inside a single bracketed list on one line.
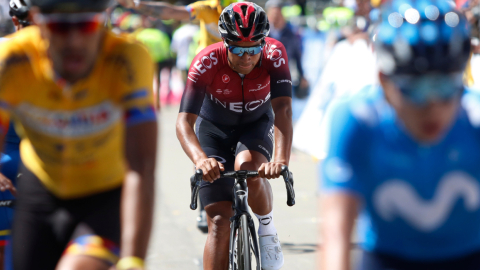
[(9, 161)]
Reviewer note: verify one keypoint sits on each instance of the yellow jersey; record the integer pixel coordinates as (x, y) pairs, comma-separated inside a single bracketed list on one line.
[(73, 135), (207, 12)]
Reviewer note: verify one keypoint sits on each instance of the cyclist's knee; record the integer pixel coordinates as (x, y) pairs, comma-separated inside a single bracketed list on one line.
[(249, 160), (257, 183), (218, 216), (81, 263), (89, 252), (219, 224)]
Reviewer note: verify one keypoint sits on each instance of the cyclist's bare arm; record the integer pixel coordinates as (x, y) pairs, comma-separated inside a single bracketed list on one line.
[(138, 189), (159, 10), (190, 144), (338, 213), (282, 107)]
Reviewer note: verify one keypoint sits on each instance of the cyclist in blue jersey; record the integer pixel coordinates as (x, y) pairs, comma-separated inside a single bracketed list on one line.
[(10, 158), (405, 154)]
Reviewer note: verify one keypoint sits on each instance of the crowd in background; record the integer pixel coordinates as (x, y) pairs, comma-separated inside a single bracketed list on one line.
[(299, 25)]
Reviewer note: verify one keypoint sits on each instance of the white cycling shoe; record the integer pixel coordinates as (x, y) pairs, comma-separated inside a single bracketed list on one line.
[(270, 252)]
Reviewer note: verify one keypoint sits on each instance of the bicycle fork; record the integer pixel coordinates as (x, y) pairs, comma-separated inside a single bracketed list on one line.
[(240, 198)]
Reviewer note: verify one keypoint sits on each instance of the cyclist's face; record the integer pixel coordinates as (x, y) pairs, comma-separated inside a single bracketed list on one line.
[(246, 62), (426, 123), (73, 49)]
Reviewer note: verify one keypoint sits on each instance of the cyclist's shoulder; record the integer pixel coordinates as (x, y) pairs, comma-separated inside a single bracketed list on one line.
[(18, 50), (208, 62), (274, 56), (365, 107), (272, 44), (124, 50)]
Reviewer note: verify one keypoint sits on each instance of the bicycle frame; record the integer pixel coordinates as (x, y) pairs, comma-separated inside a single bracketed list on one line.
[(240, 203), (240, 207)]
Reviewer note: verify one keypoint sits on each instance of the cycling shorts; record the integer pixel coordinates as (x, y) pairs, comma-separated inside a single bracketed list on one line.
[(46, 227), (224, 143), (379, 261), (9, 162)]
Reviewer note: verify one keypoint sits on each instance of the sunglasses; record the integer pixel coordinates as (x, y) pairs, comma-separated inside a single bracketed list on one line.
[(248, 50), (61, 23), (430, 87)]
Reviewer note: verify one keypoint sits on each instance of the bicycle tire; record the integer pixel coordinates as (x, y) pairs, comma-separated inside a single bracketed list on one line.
[(244, 259)]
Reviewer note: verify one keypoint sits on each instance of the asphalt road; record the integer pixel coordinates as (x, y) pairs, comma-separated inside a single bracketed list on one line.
[(177, 243)]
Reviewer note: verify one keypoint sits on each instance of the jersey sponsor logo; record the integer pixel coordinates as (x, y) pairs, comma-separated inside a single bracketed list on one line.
[(266, 151), (72, 124), (253, 105), (201, 66), (80, 95), (259, 87), (124, 66), (275, 55), (398, 198), (225, 78), (284, 81), (240, 106), (225, 92)]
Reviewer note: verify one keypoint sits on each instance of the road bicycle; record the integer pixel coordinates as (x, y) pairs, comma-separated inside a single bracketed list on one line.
[(243, 237)]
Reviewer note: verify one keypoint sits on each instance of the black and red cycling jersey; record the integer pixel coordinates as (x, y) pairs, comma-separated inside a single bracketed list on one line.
[(220, 95)]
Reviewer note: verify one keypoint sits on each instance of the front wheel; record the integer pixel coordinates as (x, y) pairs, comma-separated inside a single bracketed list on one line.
[(243, 255)]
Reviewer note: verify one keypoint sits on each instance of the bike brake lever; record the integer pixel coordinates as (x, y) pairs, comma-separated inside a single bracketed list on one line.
[(288, 178), (195, 181)]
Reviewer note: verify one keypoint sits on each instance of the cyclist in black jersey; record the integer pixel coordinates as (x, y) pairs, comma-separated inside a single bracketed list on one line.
[(231, 91)]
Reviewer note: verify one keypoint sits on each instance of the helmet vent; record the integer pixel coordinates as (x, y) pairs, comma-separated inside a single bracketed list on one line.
[(244, 9)]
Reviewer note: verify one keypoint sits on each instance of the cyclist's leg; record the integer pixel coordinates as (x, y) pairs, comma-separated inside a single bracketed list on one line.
[(217, 196), (215, 256), (96, 240), (260, 197), (254, 148), (41, 227)]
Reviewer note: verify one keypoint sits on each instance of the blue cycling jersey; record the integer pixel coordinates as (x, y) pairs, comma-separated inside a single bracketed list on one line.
[(420, 202), (12, 137)]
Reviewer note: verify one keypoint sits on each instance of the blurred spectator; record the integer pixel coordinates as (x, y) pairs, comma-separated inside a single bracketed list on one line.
[(206, 12), (281, 30), (6, 25), (158, 44), (182, 38)]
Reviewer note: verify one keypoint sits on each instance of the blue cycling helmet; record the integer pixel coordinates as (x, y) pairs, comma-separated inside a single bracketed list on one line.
[(418, 37)]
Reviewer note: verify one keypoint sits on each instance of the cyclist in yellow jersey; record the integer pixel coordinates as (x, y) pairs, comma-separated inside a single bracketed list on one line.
[(206, 12), (82, 101)]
